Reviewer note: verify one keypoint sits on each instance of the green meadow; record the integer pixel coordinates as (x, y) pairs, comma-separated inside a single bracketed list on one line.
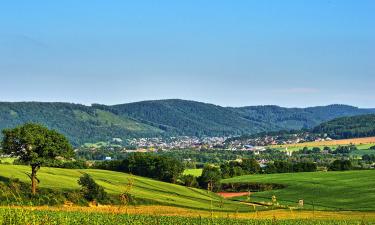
[(115, 183), (349, 190), (194, 172)]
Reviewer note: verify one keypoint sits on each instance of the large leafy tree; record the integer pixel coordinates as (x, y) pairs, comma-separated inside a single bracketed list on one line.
[(210, 178), (34, 145)]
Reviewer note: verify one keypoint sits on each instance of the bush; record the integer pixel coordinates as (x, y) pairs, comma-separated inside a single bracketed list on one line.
[(78, 164), (189, 180), (340, 165), (253, 187), (210, 178), (127, 199), (345, 149), (15, 192), (91, 190)]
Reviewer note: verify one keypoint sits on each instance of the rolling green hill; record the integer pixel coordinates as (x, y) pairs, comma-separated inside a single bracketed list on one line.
[(115, 183), (349, 190), (82, 124), (348, 127)]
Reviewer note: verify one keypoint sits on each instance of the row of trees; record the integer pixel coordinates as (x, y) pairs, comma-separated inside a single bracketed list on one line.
[(147, 165), (346, 149), (340, 165), (238, 168), (290, 167), (211, 174)]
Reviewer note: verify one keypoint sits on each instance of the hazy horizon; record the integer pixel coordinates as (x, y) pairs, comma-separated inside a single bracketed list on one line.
[(290, 53), (239, 106)]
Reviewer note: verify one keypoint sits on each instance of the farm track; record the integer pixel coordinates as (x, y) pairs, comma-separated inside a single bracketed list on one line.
[(232, 194)]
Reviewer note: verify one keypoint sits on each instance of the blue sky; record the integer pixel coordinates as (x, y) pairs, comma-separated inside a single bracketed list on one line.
[(231, 53)]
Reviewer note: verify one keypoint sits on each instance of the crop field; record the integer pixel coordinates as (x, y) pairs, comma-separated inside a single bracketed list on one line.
[(63, 217), (154, 192), (349, 190), (361, 143), (194, 172)]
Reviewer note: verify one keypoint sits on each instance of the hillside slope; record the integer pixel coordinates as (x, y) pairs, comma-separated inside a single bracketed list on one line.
[(78, 122), (190, 118), (115, 183), (348, 127), (297, 118), (196, 118)]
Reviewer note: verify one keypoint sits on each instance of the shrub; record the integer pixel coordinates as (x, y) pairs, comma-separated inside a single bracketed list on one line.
[(339, 165), (91, 190), (210, 178), (189, 180)]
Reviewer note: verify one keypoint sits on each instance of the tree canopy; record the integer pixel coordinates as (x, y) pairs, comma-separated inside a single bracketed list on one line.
[(34, 145)]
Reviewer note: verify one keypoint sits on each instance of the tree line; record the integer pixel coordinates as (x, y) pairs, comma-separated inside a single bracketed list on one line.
[(147, 165)]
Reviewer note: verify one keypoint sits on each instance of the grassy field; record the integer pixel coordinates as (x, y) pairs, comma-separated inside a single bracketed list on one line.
[(194, 172), (349, 190), (361, 143), (115, 182), (7, 160)]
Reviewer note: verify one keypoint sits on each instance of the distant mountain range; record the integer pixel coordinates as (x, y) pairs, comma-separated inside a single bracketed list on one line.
[(172, 117)]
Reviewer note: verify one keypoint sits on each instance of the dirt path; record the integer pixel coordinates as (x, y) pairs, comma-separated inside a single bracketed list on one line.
[(232, 194)]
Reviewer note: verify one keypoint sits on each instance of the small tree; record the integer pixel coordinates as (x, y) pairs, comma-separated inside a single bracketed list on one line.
[(251, 166), (90, 189), (189, 180), (34, 145), (126, 197), (210, 178)]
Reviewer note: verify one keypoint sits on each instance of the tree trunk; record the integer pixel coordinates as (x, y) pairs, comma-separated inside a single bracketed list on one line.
[(34, 181)]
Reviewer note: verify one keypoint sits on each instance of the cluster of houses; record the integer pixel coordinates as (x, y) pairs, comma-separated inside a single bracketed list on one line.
[(182, 142), (255, 149)]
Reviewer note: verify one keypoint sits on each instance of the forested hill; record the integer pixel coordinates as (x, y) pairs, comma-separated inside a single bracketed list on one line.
[(79, 123), (348, 127), (94, 123), (190, 118), (297, 118)]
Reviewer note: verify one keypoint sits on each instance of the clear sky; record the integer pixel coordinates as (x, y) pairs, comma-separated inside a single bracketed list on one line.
[(231, 53)]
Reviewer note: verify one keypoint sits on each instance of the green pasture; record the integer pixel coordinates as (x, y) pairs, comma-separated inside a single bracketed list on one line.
[(194, 172), (346, 190), (116, 182)]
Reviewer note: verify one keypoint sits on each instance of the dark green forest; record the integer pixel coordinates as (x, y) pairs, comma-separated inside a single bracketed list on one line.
[(348, 127), (82, 124)]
